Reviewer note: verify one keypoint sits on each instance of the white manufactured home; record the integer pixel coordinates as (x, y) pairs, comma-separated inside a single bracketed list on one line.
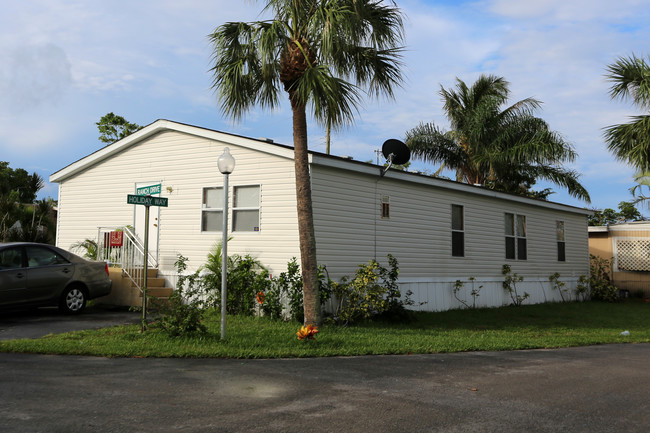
[(440, 231)]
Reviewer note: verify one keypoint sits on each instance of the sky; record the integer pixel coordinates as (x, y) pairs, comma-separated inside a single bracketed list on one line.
[(67, 63)]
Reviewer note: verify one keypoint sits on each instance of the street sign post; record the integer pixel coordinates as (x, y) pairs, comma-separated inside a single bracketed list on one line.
[(149, 190), (147, 201)]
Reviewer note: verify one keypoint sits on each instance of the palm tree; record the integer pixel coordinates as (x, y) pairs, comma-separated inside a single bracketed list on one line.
[(630, 142), (507, 149), (323, 53)]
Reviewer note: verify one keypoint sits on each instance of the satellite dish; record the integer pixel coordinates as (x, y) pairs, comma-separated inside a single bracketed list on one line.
[(400, 153), (395, 152)]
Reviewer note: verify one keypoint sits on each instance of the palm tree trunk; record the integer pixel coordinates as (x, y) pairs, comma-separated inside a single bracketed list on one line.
[(311, 296)]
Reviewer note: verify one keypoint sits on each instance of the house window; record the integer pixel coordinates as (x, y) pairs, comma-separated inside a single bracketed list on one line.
[(246, 209), (561, 249), (212, 210), (457, 231), (385, 206), (515, 231)]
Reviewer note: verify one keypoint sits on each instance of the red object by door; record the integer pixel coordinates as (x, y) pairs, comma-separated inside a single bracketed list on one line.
[(116, 239)]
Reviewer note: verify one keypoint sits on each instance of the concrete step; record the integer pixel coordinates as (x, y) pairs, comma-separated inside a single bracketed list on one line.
[(158, 292), (151, 272), (151, 282)]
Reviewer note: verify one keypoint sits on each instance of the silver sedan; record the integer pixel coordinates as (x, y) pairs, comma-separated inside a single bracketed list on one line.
[(34, 274)]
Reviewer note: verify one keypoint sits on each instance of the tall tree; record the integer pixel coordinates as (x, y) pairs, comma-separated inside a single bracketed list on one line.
[(626, 212), (323, 54), (25, 186), (507, 149), (630, 142), (113, 128)]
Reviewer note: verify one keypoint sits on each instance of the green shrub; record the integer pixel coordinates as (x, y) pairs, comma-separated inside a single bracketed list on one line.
[(560, 286), (182, 313), (600, 283), (287, 288), (245, 278), (582, 288), (372, 292), (510, 285), (474, 293)]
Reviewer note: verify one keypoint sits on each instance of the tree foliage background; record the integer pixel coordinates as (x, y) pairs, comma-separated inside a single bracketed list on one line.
[(22, 217)]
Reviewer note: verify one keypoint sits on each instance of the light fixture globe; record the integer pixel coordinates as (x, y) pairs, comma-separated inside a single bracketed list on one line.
[(226, 162)]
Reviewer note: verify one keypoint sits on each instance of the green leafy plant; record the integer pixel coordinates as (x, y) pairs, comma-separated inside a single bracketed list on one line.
[(372, 292), (582, 288), (602, 288), (88, 247), (246, 277), (474, 293), (182, 313), (510, 285), (284, 298), (560, 286)]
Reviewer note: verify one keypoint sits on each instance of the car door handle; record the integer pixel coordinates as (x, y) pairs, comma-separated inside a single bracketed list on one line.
[(66, 270), (20, 275)]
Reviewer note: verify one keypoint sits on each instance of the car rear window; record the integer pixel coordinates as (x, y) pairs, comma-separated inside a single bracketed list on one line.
[(37, 256)]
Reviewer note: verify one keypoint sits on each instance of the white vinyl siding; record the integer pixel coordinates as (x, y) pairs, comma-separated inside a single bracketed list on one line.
[(350, 232), (185, 163)]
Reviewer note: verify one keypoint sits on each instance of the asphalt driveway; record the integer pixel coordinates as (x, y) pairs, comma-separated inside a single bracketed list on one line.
[(38, 322)]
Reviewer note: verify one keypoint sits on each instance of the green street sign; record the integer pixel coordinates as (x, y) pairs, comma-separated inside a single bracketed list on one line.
[(146, 200), (149, 190)]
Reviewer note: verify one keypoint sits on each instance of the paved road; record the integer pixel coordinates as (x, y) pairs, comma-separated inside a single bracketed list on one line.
[(592, 389)]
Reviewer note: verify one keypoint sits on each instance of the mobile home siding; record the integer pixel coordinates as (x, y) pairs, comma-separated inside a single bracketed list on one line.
[(186, 164), (348, 222), (350, 231), (604, 242)]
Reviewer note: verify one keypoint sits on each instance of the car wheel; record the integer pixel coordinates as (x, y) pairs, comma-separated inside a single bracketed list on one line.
[(73, 300)]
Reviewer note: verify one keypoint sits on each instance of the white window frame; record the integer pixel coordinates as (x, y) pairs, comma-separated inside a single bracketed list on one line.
[(516, 236), (385, 207), (562, 241), (456, 230), (258, 208), (211, 209)]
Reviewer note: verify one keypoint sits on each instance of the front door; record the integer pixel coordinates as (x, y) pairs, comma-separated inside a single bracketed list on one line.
[(154, 215)]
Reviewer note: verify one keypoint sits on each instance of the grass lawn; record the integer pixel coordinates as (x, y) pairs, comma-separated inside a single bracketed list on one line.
[(507, 328)]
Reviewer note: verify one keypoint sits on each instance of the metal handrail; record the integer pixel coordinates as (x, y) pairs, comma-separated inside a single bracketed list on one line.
[(129, 255)]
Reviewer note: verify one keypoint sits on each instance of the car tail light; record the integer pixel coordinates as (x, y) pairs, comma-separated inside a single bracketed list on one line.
[(106, 269)]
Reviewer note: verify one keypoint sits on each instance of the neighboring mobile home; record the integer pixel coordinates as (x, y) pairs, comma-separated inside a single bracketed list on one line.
[(439, 230), (628, 244)]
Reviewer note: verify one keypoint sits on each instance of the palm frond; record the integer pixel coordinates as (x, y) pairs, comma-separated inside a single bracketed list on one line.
[(631, 79), (630, 142)]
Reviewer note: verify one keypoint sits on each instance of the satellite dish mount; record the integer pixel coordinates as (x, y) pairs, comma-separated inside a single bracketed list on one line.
[(395, 152)]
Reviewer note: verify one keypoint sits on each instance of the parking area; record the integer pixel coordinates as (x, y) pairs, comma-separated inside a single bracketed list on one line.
[(38, 322)]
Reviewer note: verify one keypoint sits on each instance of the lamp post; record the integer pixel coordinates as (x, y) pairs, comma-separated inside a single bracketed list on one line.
[(226, 164)]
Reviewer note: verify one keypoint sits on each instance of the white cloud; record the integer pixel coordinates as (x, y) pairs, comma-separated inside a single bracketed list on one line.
[(33, 75)]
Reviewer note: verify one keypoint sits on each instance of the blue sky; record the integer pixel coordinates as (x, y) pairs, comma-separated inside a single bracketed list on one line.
[(67, 63)]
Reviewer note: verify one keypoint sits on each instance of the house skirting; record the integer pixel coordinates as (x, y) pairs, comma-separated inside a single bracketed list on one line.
[(438, 295)]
